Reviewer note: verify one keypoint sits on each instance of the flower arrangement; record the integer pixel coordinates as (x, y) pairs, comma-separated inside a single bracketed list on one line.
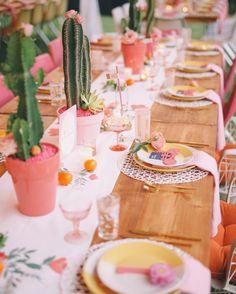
[(130, 37), (77, 67), (25, 128)]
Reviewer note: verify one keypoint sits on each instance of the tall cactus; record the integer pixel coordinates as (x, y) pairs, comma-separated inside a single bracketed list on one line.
[(134, 16), (26, 125), (150, 16), (76, 61)]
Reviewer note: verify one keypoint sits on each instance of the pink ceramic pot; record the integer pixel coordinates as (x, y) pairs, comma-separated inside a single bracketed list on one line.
[(88, 128), (134, 56), (35, 183)]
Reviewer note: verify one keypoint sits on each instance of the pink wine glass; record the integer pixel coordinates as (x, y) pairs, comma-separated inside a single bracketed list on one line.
[(75, 207)]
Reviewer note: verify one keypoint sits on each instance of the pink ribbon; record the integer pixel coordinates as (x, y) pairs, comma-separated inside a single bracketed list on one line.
[(220, 72)]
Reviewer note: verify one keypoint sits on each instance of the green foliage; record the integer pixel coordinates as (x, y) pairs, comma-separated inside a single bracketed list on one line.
[(124, 25), (5, 21), (3, 239), (134, 16), (77, 64), (91, 102), (26, 125), (150, 16), (138, 146)]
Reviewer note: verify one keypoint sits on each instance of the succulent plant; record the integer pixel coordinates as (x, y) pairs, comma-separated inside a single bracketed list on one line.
[(150, 16), (77, 65), (26, 125)]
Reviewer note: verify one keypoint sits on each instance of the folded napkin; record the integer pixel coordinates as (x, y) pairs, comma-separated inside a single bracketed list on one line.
[(206, 162), (221, 50), (214, 97), (220, 72)]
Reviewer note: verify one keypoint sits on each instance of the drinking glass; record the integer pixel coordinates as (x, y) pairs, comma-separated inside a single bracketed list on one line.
[(56, 93), (152, 77), (169, 77), (75, 207), (142, 124), (124, 93), (108, 216), (118, 121)]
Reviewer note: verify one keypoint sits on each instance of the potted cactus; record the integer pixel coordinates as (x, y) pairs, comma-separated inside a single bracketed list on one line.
[(77, 73), (33, 165)]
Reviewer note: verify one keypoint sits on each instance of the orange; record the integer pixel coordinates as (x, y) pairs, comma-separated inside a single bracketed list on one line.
[(64, 177), (36, 150), (90, 164), (129, 82), (1, 267)]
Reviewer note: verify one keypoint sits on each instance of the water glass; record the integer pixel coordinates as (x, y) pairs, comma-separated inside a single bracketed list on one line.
[(56, 93), (108, 216), (142, 124), (169, 77)]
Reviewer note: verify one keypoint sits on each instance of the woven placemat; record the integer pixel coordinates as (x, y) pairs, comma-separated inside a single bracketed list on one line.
[(133, 170)]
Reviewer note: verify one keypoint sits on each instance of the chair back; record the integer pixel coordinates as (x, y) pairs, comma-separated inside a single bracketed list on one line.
[(118, 15), (230, 107), (56, 51), (230, 77), (43, 61)]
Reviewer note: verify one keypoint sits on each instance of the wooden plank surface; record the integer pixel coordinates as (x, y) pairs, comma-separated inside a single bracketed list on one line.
[(216, 59)]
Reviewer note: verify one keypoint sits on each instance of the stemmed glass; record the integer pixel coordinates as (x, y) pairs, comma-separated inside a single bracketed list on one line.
[(153, 71), (118, 122), (75, 207)]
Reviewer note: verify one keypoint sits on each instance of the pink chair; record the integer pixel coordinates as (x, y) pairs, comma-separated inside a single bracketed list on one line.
[(230, 107), (5, 94), (43, 61), (56, 51), (230, 77)]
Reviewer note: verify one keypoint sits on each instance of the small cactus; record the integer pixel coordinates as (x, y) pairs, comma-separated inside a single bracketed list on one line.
[(150, 16), (77, 65), (26, 125), (134, 16)]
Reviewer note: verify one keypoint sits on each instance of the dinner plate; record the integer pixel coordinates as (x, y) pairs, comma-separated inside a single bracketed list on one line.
[(186, 92), (138, 254), (201, 46), (161, 169), (193, 66), (171, 155)]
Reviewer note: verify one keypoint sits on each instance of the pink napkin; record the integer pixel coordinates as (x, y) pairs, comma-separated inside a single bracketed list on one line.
[(220, 72), (206, 162), (221, 50), (214, 97)]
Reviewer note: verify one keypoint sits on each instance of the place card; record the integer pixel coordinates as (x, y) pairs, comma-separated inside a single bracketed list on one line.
[(68, 131)]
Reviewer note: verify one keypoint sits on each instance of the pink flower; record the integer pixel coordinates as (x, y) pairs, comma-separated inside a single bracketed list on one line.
[(142, 7), (93, 177), (2, 256), (79, 18), (8, 145), (58, 265), (162, 274), (27, 29), (70, 13), (168, 157), (157, 140), (129, 37)]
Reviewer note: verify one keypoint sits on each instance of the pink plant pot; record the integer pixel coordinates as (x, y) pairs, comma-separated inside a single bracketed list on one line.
[(35, 183), (134, 56), (88, 128)]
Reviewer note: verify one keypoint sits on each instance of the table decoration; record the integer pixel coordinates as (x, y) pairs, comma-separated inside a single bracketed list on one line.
[(185, 93), (195, 75), (77, 72), (32, 164), (72, 281)]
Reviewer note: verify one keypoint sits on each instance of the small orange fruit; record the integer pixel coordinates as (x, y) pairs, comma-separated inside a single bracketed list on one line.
[(90, 164), (36, 150), (129, 82), (64, 177), (1, 267)]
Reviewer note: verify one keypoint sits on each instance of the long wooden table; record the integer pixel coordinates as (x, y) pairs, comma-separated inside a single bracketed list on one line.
[(174, 214)]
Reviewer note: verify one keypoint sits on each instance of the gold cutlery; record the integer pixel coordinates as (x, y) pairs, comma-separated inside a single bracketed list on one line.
[(156, 234), (46, 101)]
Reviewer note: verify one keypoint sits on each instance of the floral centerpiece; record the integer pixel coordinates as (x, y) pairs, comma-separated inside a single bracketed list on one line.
[(77, 72), (32, 164)]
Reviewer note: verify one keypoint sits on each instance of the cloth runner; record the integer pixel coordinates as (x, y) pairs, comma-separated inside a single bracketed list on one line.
[(220, 72)]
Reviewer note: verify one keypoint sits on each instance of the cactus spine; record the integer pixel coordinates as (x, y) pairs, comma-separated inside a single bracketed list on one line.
[(26, 125), (76, 61), (134, 16), (150, 16)]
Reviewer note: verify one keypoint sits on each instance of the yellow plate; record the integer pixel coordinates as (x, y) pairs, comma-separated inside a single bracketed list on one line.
[(193, 66), (180, 92), (201, 46), (159, 169), (138, 255)]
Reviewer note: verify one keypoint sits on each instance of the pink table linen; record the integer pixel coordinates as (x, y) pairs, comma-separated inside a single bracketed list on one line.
[(206, 162), (220, 72), (214, 97)]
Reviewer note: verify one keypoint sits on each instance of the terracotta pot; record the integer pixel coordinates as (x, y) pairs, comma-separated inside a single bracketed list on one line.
[(35, 183), (88, 128), (134, 56)]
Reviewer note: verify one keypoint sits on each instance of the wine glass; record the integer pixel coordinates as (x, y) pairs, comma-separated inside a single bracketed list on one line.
[(117, 122), (152, 74), (75, 207)]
